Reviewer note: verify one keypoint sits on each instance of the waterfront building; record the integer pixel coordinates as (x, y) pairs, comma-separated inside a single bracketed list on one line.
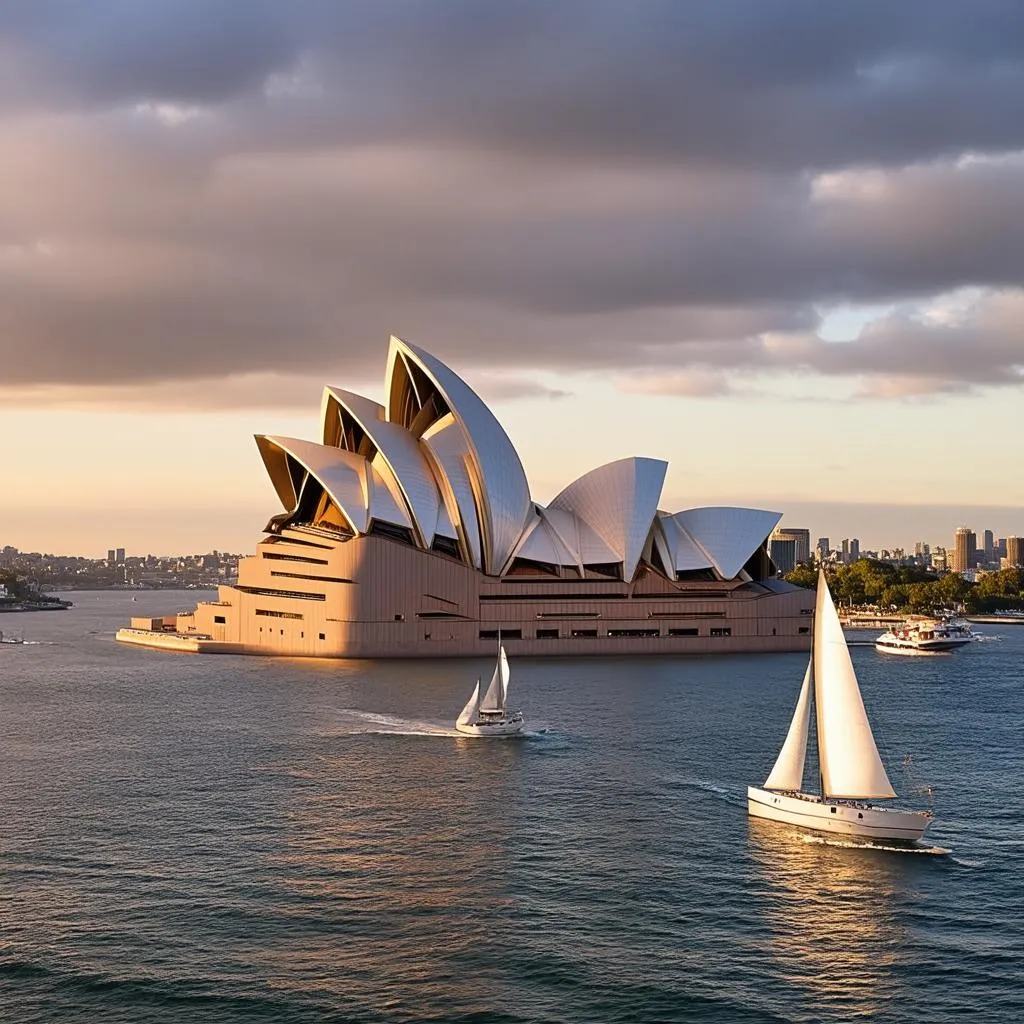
[(408, 529), (965, 550), (801, 542), (111, 557), (119, 556), (1015, 552), (782, 551)]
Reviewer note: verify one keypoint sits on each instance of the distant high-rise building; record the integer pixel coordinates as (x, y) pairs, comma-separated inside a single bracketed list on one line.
[(988, 545), (1001, 547), (801, 539), (965, 550), (1015, 551), (823, 548), (119, 556), (845, 555), (922, 549), (783, 553), (854, 549), (110, 556)]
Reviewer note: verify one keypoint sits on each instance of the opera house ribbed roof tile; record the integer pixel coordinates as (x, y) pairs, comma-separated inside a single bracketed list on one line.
[(434, 468)]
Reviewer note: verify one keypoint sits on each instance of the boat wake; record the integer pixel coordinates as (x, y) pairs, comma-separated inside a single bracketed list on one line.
[(369, 723), (852, 844), (968, 862), (729, 796)]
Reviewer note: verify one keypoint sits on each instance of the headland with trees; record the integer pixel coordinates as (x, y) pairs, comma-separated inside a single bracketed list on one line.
[(906, 588)]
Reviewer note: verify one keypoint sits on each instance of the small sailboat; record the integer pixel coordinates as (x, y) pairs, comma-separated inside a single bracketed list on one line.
[(489, 715), (851, 773)]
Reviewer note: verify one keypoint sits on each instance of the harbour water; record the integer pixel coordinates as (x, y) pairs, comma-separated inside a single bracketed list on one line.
[(225, 839)]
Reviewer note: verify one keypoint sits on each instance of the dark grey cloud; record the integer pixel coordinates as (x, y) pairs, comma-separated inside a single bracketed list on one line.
[(740, 82), (196, 189)]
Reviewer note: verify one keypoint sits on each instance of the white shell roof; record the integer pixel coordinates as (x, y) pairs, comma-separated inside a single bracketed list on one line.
[(354, 485), (444, 526), (402, 453), (275, 461), (543, 544), (361, 409), (462, 479), (727, 535), (446, 442), (497, 473), (385, 501), (685, 553), (580, 541), (339, 472), (618, 502)]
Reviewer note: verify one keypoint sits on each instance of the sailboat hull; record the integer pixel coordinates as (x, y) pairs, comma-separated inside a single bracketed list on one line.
[(853, 820), (509, 727)]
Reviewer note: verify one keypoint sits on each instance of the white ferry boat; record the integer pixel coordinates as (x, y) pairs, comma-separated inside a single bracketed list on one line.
[(923, 635)]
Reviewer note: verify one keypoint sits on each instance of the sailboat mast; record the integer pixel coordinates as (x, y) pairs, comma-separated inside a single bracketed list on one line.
[(816, 675)]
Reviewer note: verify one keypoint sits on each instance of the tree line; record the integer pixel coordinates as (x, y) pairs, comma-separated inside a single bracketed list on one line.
[(908, 588)]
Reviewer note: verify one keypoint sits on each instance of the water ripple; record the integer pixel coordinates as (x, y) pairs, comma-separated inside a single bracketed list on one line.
[(234, 840)]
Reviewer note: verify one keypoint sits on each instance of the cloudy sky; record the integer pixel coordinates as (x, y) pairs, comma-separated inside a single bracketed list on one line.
[(779, 244)]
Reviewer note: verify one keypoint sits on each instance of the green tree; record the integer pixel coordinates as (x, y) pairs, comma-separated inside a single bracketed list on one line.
[(950, 590), (803, 576), (893, 596)]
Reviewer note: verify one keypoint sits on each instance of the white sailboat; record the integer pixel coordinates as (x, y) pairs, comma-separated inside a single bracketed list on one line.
[(851, 773), (489, 715)]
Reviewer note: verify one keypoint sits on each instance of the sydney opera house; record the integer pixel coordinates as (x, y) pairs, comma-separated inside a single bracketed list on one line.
[(408, 530)]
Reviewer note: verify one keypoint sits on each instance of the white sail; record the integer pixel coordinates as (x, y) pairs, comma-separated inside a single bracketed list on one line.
[(850, 765), (494, 697), (503, 666), (788, 773), (468, 714)]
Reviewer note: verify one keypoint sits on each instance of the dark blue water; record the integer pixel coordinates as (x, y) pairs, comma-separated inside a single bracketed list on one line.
[(226, 839)]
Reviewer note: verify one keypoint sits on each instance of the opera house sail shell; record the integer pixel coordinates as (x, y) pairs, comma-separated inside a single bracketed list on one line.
[(408, 530)]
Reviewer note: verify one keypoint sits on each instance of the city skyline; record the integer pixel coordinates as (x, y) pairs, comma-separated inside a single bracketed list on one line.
[(910, 517), (805, 284)]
